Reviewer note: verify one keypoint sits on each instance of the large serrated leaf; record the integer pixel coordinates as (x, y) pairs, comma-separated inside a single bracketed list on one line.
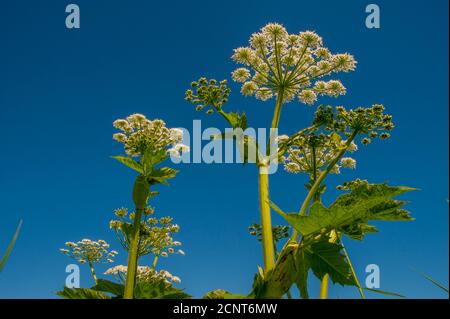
[(222, 294), (326, 258), (81, 293), (110, 287), (302, 267), (161, 175), (158, 290), (364, 203)]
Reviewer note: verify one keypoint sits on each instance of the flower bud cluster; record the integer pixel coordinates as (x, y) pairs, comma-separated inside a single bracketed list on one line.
[(208, 95)]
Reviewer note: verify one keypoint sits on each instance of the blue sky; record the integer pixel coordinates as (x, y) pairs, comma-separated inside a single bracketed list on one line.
[(61, 89)]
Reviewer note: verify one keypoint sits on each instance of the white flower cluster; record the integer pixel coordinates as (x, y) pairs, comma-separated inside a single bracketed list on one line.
[(300, 156), (140, 135), (144, 273), (156, 234), (277, 62), (89, 251)]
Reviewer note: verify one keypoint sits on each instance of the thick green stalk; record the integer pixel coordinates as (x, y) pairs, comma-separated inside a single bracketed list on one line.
[(133, 256), (266, 223), (324, 287), (141, 192), (91, 267), (263, 181)]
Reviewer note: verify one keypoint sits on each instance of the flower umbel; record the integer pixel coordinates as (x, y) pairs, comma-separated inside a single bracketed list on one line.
[(309, 153), (276, 61), (156, 235), (141, 136), (89, 251), (144, 274)]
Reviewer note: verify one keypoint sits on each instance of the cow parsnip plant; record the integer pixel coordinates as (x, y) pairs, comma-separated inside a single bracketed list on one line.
[(147, 144), (287, 66), (276, 65), (149, 282)]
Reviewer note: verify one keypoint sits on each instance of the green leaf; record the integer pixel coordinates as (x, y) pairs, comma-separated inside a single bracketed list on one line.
[(326, 258), (158, 290), (222, 294), (151, 159), (11, 245), (393, 294), (127, 161), (390, 210), (357, 231), (161, 175), (364, 203), (278, 281), (283, 274), (302, 267), (81, 293), (109, 286), (236, 120)]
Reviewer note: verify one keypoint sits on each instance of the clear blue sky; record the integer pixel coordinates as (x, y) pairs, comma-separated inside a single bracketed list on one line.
[(61, 89)]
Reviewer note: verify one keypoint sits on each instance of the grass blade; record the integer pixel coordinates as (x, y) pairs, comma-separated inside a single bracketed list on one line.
[(11, 245), (392, 294), (434, 282)]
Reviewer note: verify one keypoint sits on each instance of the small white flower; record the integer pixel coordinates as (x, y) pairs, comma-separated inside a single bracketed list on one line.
[(348, 162), (352, 147), (249, 88), (292, 167), (240, 75), (308, 97), (264, 94), (176, 279), (282, 138), (120, 137), (176, 134), (336, 169), (181, 252)]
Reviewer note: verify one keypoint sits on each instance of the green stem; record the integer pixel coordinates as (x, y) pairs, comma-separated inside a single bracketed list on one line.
[(277, 112), (347, 257), (263, 178), (266, 223), (155, 261), (91, 267), (324, 287), (133, 256), (264, 202)]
